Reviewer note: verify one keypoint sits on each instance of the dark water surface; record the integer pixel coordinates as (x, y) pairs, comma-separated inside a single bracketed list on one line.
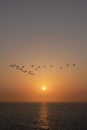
[(43, 116)]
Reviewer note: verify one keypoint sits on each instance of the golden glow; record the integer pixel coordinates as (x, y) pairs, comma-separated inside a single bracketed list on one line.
[(43, 88), (43, 116)]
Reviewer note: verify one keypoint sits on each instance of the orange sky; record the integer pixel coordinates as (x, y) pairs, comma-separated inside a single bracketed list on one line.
[(43, 33)]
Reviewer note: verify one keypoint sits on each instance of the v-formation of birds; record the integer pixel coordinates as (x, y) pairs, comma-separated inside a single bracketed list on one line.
[(36, 68)]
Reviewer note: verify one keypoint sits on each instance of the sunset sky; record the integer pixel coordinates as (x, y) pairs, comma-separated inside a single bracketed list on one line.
[(43, 32)]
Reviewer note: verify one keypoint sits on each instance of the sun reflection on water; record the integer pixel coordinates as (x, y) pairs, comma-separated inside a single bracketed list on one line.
[(43, 117)]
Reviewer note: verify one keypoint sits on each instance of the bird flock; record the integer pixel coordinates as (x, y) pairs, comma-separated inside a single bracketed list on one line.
[(36, 68)]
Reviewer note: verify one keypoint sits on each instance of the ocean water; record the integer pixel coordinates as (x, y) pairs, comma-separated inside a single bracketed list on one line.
[(43, 116)]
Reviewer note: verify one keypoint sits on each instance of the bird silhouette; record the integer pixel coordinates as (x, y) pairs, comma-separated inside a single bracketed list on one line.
[(29, 72), (25, 71), (51, 66), (36, 69), (60, 67), (13, 65), (67, 65), (44, 66), (10, 65), (33, 74), (17, 66), (22, 66), (32, 66), (74, 64)]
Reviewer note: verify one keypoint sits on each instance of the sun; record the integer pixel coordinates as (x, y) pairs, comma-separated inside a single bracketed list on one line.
[(43, 88)]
